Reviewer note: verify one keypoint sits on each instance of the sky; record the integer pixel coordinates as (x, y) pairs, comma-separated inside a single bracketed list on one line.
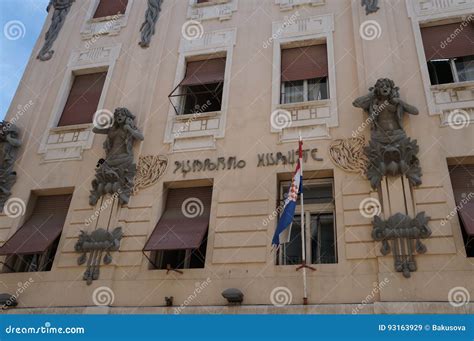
[(20, 23)]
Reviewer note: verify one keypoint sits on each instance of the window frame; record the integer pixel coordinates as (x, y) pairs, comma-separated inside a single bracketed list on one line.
[(311, 209)]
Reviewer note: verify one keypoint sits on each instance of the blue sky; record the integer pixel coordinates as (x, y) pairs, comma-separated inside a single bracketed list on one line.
[(20, 23)]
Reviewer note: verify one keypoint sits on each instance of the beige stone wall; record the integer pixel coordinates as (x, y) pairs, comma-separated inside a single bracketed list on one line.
[(238, 250)]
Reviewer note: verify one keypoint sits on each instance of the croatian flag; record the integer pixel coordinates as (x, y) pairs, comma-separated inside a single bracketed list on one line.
[(289, 207)]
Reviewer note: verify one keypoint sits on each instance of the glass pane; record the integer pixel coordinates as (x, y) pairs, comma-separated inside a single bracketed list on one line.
[(201, 98), (323, 245), (292, 250), (318, 89), (465, 68), (293, 92), (440, 71)]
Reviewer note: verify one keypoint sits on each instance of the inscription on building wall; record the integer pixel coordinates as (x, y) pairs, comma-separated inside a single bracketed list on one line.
[(222, 163), (274, 159)]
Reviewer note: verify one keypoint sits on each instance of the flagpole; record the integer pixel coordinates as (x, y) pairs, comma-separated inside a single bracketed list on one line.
[(303, 242)]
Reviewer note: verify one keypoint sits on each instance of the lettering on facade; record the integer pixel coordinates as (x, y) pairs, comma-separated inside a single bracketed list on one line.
[(222, 163), (274, 159)]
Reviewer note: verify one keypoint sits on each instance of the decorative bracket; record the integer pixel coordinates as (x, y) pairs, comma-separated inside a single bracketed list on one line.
[(371, 6), (9, 144), (402, 230), (96, 243)]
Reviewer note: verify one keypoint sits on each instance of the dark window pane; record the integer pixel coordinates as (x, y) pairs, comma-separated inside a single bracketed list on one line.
[(440, 72), (313, 193), (322, 239), (293, 92), (465, 68), (201, 98), (292, 250)]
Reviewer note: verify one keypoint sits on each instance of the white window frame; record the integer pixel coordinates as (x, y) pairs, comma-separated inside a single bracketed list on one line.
[(214, 9), (81, 62)]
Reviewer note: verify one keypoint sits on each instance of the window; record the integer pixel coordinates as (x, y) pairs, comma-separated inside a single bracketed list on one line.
[(201, 89), (83, 99), (179, 240), (462, 179), (319, 225), (107, 8), (304, 74), (33, 247), (449, 51)]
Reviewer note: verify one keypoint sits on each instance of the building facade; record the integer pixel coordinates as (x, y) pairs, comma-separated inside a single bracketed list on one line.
[(151, 144)]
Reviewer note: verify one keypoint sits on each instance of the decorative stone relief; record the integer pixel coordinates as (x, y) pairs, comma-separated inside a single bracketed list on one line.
[(61, 9), (149, 170), (348, 154), (432, 7), (95, 244), (390, 151), (116, 172), (371, 6), (402, 231), (148, 27), (287, 5), (214, 9), (9, 145)]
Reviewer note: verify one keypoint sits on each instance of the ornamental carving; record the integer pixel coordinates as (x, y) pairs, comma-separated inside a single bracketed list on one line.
[(348, 154), (371, 6), (9, 145), (148, 27), (149, 170), (61, 9), (116, 172), (95, 244), (401, 235), (390, 151)]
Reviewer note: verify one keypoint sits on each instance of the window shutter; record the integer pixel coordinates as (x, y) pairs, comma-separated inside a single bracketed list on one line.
[(304, 63), (204, 72), (42, 228), (174, 230), (83, 99), (436, 45), (110, 7)]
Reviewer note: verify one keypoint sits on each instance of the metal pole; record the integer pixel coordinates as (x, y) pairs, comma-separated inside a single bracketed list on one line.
[(303, 243)]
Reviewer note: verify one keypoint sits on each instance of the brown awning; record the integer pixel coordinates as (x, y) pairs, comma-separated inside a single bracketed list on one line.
[(83, 99), (177, 231), (110, 7), (41, 229), (204, 72), (301, 63), (460, 44), (467, 216)]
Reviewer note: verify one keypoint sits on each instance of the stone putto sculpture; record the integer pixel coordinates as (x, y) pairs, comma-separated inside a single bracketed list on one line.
[(9, 144), (115, 173), (390, 151)]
